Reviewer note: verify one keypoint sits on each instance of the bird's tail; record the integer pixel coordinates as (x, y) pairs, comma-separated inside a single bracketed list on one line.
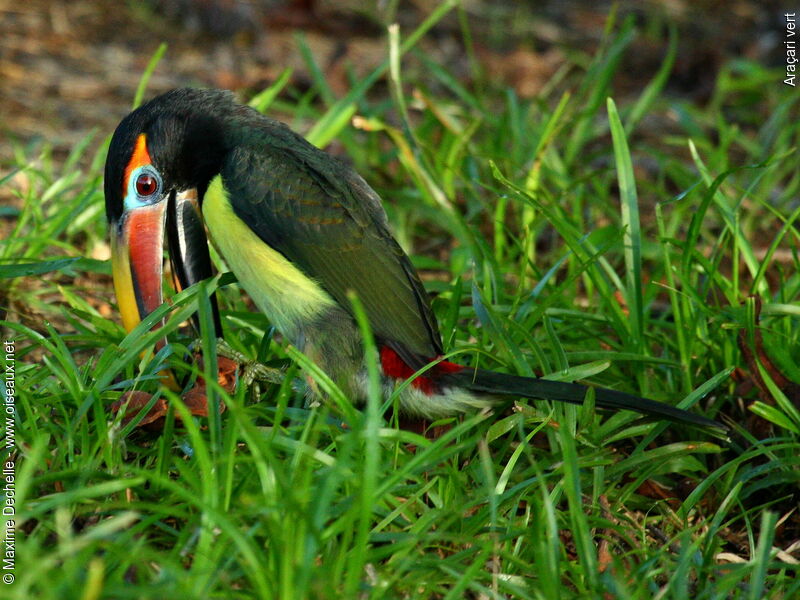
[(503, 384)]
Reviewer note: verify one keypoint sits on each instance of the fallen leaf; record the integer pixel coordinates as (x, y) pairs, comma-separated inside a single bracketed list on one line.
[(196, 398)]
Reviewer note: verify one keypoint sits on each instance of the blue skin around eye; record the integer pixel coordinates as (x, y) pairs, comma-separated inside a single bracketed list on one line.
[(132, 198)]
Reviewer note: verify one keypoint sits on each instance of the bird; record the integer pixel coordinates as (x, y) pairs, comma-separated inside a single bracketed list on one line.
[(303, 233)]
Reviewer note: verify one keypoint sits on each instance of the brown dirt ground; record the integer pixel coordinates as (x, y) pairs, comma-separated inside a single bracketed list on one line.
[(69, 67)]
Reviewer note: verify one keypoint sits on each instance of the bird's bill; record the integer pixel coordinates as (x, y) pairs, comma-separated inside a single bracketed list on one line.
[(188, 248), (137, 255), (137, 248)]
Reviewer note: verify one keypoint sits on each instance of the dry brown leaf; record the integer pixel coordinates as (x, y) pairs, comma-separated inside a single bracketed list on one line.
[(196, 399)]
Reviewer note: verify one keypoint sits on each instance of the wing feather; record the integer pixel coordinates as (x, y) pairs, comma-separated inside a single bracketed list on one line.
[(324, 218)]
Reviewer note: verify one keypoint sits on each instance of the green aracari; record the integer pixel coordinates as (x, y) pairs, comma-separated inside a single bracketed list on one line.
[(300, 230)]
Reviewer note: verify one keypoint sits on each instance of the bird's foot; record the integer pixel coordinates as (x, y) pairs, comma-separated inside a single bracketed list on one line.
[(251, 372)]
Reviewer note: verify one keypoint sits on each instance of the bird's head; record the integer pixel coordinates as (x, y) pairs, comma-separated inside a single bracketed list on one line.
[(161, 158)]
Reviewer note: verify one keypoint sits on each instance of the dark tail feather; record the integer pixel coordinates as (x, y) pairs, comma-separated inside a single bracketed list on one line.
[(490, 382)]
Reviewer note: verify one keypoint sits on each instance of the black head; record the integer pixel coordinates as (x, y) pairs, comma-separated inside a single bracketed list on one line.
[(184, 139), (161, 158)]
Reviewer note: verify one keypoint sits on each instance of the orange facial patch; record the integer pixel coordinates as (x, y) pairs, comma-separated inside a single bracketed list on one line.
[(140, 157)]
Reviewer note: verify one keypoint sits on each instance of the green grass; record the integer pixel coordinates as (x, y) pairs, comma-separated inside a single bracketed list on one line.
[(558, 236)]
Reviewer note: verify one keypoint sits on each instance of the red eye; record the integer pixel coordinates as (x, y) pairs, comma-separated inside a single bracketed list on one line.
[(146, 184)]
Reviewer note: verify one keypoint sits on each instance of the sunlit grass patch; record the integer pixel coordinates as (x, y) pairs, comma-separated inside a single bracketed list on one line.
[(560, 236)]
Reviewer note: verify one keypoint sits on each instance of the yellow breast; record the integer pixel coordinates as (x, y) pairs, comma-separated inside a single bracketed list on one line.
[(285, 294)]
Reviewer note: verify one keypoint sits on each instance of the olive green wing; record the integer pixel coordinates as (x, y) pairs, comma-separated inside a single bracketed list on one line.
[(326, 220)]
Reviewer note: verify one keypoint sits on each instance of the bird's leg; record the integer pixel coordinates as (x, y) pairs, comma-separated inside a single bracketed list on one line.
[(253, 373)]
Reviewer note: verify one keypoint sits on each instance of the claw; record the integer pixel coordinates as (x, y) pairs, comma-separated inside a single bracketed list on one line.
[(253, 373)]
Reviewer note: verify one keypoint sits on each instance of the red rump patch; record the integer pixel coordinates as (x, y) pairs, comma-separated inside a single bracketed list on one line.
[(393, 366), (447, 367)]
